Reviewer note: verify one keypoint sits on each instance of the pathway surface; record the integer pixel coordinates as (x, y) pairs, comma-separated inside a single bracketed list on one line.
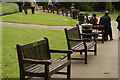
[(104, 65), (34, 26)]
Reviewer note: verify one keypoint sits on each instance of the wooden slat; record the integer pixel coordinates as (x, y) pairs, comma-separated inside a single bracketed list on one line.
[(37, 50), (57, 63)]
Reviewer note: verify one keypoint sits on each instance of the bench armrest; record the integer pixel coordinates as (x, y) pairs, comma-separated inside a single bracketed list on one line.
[(95, 35), (69, 52), (37, 61), (90, 34), (84, 39), (61, 51)]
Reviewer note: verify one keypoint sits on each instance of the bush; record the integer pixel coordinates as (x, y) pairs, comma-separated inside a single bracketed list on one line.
[(82, 6), (98, 6), (8, 8)]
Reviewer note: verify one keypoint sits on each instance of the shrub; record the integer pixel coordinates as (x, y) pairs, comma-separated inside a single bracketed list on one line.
[(8, 8), (98, 6)]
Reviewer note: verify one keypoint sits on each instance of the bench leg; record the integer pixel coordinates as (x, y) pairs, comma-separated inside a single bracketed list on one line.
[(46, 72), (85, 56), (46, 78), (80, 53), (22, 77), (102, 37), (68, 71), (95, 49)]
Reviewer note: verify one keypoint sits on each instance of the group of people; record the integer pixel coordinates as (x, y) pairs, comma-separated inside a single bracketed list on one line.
[(24, 6), (82, 18), (104, 20)]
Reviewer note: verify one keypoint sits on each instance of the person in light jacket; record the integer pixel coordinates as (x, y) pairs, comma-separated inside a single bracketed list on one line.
[(32, 4)]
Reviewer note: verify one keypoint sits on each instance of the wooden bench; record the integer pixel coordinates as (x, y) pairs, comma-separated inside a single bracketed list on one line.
[(76, 43), (35, 60), (55, 9), (100, 30), (45, 8)]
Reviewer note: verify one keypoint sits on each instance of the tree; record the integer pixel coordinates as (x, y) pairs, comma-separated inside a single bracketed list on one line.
[(109, 6)]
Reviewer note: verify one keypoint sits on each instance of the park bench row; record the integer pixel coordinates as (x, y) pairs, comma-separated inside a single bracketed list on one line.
[(35, 59), (57, 10)]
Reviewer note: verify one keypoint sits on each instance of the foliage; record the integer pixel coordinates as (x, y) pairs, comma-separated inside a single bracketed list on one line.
[(39, 18), (83, 6), (98, 6), (66, 4), (8, 8), (116, 6), (42, 3), (14, 35), (86, 6)]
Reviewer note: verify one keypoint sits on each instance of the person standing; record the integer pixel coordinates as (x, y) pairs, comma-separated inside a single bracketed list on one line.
[(26, 7), (20, 4), (86, 18), (81, 18), (118, 20), (94, 20), (74, 12), (50, 6), (106, 22), (32, 4)]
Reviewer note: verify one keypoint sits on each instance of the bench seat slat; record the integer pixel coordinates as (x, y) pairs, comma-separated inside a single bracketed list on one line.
[(80, 46), (56, 63)]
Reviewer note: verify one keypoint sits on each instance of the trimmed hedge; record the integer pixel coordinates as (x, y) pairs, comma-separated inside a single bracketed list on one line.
[(8, 8)]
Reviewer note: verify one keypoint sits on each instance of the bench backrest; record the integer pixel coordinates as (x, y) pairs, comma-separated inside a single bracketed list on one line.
[(55, 8), (45, 7), (72, 33), (38, 50)]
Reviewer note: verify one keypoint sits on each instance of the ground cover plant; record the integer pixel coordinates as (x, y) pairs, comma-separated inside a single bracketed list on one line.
[(8, 8), (39, 18), (14, 35)]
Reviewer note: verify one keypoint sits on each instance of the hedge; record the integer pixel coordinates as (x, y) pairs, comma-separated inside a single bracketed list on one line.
[(8, 8)]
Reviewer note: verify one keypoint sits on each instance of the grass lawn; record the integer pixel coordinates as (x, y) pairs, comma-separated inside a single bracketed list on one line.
[(39, 18), (14, 35), (47, 18)]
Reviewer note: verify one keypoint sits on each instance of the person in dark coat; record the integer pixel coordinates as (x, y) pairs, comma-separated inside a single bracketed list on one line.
[(81, 18), (106, 22), (20, 4), (118, 20), (86, 18)]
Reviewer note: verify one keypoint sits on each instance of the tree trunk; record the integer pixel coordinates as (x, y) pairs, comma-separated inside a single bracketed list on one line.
[(109, 6)]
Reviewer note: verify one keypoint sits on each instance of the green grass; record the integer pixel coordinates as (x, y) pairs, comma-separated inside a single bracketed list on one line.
[(39, 18), (13, 35)]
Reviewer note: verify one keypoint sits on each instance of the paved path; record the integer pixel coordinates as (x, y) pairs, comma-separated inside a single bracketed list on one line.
[(34, 26), (104, 65)]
